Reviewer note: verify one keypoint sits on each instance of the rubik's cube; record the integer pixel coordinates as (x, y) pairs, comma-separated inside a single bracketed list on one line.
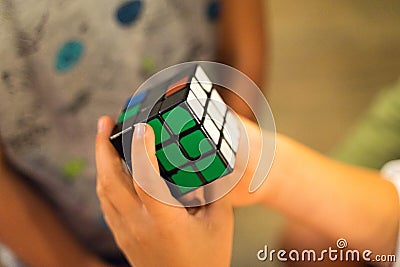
[(196, 135)]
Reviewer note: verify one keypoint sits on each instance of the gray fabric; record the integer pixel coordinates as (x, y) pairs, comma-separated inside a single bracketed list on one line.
[(48, 116)]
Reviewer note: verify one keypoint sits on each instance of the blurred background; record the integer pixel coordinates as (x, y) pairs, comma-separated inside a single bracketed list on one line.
[(329, 59)]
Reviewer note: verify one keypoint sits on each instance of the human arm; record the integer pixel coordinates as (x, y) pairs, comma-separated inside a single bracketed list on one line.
[(326, 196), (29, 226), (149, 232), (242, 44), (242, 39)]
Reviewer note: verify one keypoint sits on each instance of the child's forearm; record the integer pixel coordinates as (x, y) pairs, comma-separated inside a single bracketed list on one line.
[(334, 198)]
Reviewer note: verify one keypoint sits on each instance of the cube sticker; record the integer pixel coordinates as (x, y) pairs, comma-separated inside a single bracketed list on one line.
[(196, 136)]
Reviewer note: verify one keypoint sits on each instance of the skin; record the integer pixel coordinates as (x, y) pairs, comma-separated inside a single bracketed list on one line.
[(45, 231), (322, 194), (149, 232), (325, 195), (242, 44), (32, 230)]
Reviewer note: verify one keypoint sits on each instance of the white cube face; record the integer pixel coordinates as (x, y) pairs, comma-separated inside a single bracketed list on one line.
[(232, 142), (202, 77), (198, 91), (216, 116), (211, 129), (217, 121), (227, 153), (232, 124), (195, 105), (219, 103), (231, 131)]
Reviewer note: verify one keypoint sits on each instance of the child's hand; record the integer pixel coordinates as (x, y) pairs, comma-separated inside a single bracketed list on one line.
[(149, 232), (247, 163)]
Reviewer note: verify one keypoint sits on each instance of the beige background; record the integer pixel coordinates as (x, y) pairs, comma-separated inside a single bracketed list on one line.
[(329, 58)]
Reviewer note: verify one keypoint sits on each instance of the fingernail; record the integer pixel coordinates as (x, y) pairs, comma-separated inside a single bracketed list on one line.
[(140, 130), (100, 125)]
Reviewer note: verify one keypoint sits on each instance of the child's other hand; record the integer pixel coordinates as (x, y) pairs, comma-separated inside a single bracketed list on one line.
[(149, 232), (247, 162)]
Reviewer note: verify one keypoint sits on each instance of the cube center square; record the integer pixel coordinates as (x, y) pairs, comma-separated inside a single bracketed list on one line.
[(196, 135)]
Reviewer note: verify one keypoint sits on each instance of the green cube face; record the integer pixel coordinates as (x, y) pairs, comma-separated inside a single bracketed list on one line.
[(129, 113), (195, 144), (196, 136), (171, 157), (160, 132), (179, 119), (187, 177), (212, 167)]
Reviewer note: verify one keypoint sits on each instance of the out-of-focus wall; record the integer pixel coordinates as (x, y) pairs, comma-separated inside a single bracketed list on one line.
[(328, 60)]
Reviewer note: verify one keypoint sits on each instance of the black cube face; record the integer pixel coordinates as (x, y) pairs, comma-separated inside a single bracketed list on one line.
[(196, 136)]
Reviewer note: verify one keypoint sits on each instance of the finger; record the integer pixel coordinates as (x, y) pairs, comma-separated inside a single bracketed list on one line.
[(116, 223), (110, 214), (111, 178), (104, 153), (104, 148), (149, 186)]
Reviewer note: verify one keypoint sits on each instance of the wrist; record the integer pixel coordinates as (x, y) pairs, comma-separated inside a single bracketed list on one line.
[(284, 167)]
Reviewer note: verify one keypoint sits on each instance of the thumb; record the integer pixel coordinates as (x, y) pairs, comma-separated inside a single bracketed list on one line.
[(151, 188)]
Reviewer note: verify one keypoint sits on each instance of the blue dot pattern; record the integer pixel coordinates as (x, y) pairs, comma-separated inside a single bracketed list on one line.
[(213, 10), (129, 12), (69, 55), (82, 70)]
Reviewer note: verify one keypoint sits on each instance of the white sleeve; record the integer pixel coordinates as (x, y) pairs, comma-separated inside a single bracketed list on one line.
[(391, 171)]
